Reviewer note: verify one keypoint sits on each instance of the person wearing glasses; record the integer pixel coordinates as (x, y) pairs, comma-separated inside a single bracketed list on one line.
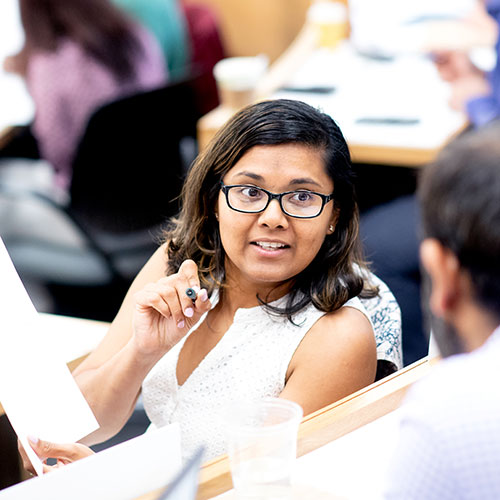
[(268, 239)]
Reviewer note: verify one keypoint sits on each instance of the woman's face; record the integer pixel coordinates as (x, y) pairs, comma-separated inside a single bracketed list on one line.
[(270, 247)]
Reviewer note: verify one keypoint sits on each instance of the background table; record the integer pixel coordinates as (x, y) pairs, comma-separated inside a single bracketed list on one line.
[(405, 90)]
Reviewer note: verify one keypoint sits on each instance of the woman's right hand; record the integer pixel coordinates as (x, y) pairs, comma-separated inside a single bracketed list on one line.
[(164, 313)]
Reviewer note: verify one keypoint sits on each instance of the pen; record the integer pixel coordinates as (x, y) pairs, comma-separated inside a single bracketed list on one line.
[(387, 120), (191, 293), (310, 90)]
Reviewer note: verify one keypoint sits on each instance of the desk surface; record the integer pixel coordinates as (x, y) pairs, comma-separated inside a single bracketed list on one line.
[(77, 337), (320, 430), (333, 470), (327, 425), (406, 90)]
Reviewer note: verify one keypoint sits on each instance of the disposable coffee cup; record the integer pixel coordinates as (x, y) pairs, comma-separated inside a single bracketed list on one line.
[(262, 447), (330, 20), (237, 78)]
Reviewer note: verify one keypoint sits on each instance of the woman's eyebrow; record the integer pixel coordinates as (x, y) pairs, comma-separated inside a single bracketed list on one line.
[(293, 182), (253, 176), (304, 180)]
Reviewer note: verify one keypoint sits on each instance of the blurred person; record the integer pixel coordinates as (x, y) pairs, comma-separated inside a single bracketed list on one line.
[(165, 19), (190, 38), (449, 446), (390, 231), (472, 90), (268, 237), (79, 55)]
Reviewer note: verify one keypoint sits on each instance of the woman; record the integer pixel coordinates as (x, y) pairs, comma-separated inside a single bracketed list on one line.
[(268, 238), (77, 56)]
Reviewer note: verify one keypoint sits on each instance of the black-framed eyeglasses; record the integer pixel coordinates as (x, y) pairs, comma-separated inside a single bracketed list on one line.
[(249, 199)]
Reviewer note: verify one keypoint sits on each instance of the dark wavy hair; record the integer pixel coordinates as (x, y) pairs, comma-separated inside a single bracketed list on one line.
[(336, 273), (102, 29)]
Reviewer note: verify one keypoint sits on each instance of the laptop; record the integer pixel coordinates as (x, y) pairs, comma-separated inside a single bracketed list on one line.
[(185, 484)]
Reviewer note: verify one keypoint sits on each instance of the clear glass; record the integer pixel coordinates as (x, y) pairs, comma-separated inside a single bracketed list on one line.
[(262, 447)]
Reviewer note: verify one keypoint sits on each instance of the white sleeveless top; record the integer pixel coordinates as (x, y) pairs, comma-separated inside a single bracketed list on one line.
[(249, 362)]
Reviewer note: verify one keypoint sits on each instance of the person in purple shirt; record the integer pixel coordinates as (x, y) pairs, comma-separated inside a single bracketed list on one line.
[(79, 55)]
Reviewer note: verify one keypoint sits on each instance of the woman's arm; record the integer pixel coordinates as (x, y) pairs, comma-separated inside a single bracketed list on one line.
[(154, 316), (337, 357)]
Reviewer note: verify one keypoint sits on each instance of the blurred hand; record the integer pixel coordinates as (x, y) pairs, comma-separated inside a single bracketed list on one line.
[(467, 88), (63, 453), (17, 63), (164, 313), (9, 65), (453, 65)]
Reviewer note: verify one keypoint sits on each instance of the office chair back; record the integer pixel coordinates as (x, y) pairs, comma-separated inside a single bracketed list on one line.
[(128, 171), (128, 174)]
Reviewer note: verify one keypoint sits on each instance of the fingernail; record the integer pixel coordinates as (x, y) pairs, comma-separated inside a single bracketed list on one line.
[(203, 295), (181, 324), (189, 312), (196, 288), (33, 439)]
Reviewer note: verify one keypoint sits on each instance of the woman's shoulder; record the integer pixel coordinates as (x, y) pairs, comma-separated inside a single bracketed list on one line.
[(350, 318)]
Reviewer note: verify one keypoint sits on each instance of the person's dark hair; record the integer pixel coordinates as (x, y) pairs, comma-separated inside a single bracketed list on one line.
[(460, 202), (332, 278), (96, 25)]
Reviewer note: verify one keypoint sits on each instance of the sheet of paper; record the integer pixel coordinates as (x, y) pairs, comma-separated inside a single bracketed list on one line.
[(37, 390), (125, 471), (367, 452)]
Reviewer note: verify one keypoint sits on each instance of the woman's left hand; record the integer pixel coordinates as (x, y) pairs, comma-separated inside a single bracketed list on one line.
[(63, 453)]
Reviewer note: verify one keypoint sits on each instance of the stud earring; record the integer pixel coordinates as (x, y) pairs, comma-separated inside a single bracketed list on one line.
[(331, 228)]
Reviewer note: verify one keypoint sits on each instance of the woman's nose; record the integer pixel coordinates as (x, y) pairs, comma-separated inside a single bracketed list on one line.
[(273, 216)]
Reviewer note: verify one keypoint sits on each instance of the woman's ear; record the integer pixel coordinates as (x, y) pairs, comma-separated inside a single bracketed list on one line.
[(333, 222), (444, 270)]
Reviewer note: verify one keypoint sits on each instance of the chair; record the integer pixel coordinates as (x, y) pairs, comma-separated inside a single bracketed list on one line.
[(385, 316), (127, 175)]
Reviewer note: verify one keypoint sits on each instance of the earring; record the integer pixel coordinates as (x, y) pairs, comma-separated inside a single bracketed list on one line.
[(216, 216), (331, 228)]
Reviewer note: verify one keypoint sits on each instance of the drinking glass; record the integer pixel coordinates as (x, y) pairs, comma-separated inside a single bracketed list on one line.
[(262, 447)]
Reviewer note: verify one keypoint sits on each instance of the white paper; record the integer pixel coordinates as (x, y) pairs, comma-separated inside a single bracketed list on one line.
[(125, 471), (365, 452), (37, 390)]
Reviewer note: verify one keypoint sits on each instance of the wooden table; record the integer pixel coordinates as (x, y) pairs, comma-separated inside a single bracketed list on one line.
[(77, 337), (407, 87), (407, 156), (325, 426)]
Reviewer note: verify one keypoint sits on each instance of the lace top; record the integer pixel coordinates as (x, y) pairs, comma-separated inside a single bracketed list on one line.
[(250, 361)]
